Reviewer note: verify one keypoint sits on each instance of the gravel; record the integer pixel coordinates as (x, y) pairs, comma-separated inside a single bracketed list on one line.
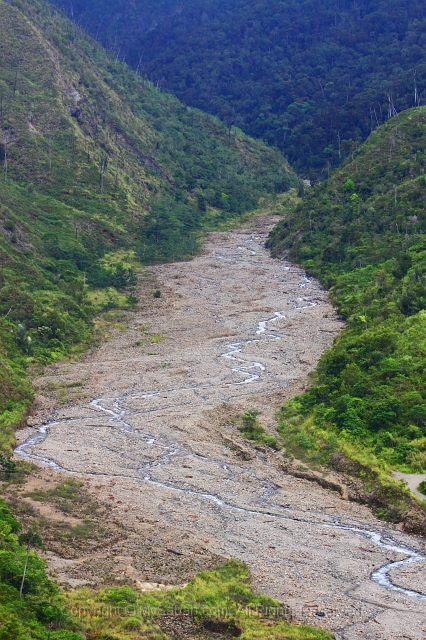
[(154, 435)]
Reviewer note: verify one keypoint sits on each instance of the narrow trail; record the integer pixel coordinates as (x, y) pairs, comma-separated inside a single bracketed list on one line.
[(242, 331)]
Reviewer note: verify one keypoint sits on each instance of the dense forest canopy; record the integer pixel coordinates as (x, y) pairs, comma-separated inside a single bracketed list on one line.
[(312, 77)]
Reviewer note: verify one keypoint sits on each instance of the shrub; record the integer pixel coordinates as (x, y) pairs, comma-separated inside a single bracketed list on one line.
[(272, 442), (417, 460), (303, 440), (7, 466), (332, 442), (120, 596), (132, 624), (253, 430), (422, 487)]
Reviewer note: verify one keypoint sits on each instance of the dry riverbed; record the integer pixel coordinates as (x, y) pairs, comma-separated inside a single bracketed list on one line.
[(151, 432)]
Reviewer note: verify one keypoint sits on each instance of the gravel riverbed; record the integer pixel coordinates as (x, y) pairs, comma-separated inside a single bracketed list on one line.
[(151, 432)]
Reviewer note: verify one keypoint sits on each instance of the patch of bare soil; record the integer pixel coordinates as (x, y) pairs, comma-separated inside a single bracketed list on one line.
[(85, 545), (152, 436)]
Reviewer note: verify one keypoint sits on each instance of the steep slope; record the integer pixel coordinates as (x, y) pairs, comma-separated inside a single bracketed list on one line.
[(312, 77), (362, 233), (95, 160)]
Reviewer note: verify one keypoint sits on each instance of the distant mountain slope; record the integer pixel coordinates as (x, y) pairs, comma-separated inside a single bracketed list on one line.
[(93, 160), (362, 232), (312, 77), (105, 19)]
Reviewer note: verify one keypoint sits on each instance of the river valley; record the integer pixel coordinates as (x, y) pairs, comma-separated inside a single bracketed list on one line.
[(154, 433)]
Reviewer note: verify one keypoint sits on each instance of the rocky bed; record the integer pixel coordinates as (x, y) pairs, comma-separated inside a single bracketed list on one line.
[(153, 435)]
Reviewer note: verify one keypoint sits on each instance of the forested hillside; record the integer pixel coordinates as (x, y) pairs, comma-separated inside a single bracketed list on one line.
[(132, 20), (103, 171), (33, 607), (94, 160), (362, 233), (312, 77)]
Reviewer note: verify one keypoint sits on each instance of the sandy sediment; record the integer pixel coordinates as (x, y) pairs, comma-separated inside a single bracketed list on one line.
[(153, 433)]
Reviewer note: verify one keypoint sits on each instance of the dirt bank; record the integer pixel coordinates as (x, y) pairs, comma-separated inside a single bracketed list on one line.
[(152, 433)]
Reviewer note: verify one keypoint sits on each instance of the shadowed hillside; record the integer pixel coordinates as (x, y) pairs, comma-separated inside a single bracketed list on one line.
[(312, 77)]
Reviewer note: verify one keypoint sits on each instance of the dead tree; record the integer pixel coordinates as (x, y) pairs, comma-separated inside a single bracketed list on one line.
[(5, 161), (50, 145), (103, 165)]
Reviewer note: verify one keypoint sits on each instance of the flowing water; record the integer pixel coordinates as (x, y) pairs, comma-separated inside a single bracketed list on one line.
[(228, 345)]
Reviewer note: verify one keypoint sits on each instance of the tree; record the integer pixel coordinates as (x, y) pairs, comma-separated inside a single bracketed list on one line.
[(230, 121), (103, 166), (11, 628), (31, 540), (7, 465)]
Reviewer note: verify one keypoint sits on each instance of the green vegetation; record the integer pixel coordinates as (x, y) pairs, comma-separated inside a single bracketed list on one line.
[(39, 612), (220, 600), (362, 234), (312, 77), (251, 429), (63, 495), (8, 467), (422, 487), (14, 473), (96, 163)]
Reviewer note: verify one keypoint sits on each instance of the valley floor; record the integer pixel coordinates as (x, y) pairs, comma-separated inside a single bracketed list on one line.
[(152, 433)]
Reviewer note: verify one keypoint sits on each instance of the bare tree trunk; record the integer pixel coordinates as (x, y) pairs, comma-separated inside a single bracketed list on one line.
[(416, 93), (50, 143), (138, 68), (392, 112), (102, 169), (375, 115), (5, 162), (25, 572)]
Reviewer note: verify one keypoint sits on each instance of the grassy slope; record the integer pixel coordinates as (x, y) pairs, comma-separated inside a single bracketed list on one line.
[(68, 114), (221, 595), (362, 234)]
